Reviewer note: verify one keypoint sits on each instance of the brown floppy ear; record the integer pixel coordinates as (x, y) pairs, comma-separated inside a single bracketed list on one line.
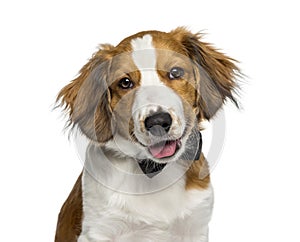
[(217, 72), (87, 99)]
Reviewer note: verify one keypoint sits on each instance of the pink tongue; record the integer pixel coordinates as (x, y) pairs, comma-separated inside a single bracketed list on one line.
[(164, 150)]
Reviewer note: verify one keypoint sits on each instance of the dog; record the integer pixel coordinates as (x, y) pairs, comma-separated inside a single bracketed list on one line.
[(141, 104)]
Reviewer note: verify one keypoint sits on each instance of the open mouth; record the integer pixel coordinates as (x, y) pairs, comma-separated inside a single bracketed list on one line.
[(164, 149)]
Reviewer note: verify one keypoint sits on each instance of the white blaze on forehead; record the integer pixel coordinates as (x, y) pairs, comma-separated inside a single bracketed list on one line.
[(144, 57)]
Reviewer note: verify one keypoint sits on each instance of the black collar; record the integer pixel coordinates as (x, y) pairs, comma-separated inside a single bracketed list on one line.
[(152, 168)]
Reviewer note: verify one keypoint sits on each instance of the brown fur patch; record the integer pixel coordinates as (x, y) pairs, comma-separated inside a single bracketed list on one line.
[(70, 216), (197, 176), (122, 111), (122, 66), (186, 86)]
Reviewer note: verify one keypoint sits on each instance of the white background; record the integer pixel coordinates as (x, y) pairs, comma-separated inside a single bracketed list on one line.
[(45, 43)]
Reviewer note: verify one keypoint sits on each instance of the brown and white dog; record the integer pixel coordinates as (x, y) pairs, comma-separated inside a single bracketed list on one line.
[(141, 104)]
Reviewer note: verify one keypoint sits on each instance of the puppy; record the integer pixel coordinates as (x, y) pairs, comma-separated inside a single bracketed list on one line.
[(140, 104)]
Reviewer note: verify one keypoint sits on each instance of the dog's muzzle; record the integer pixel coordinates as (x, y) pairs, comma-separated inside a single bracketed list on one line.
[(158, 126)]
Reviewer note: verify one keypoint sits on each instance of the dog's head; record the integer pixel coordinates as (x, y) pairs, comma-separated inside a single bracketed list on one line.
[(144, 97)]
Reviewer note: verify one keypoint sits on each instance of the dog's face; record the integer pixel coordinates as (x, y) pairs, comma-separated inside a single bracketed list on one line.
[(144, 97)]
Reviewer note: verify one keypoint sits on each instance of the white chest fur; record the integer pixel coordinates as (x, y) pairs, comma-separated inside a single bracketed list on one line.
[(169, 214)]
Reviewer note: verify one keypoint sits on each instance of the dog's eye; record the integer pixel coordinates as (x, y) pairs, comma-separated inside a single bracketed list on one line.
[(125, 83), (176, 73)]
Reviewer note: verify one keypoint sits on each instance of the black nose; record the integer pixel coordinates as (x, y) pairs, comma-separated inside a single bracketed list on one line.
[(158, 124)]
